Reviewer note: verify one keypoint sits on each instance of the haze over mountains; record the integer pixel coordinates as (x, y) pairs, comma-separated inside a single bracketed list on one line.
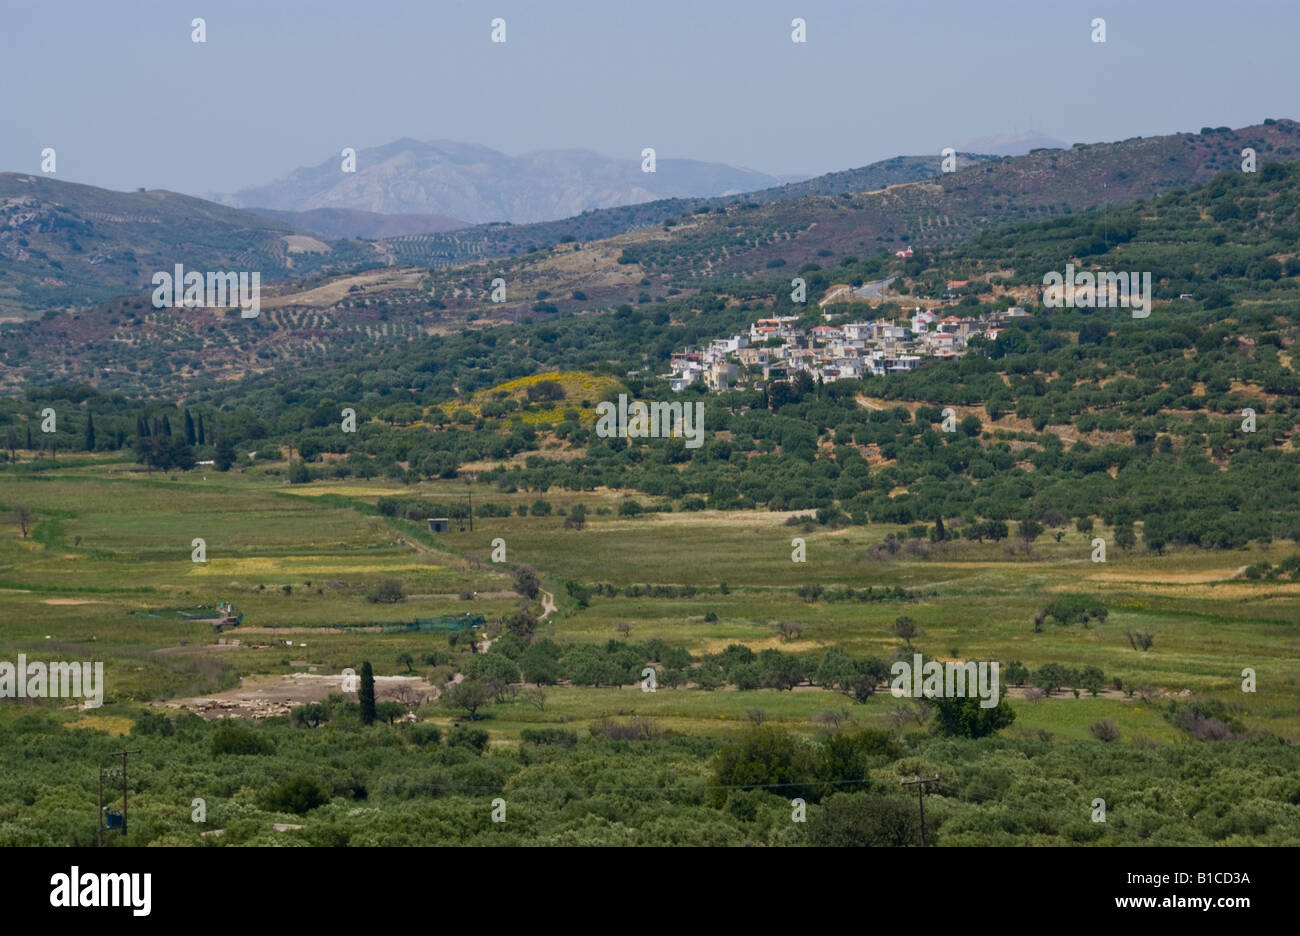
[(477, 184), (65, 246), (371, 225), (1011, 144)]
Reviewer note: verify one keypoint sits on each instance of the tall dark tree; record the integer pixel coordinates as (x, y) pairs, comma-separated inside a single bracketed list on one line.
[(141, 427), (166, 425), (224, 456), (164, 453), (90, 433), (202, 440), (190, 438), (29, 437), (366, 694), (11, 442)]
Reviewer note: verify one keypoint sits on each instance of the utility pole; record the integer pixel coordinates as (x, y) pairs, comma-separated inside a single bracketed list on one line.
[(919, 783), (123, 755)]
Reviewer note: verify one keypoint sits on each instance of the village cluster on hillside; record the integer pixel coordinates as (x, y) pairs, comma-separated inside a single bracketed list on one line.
[(775, 349)]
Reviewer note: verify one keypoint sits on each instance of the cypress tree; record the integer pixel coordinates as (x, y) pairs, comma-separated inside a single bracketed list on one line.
[(202, 441), (141, 427), (166, 426), (90, 433), (29, 437), (224, 456), (189, 429), (366, 695)]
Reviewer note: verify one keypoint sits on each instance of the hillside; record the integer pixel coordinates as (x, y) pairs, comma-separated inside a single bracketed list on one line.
[(369, 225), (946, 210), (745, 249), (68, 245), (844, 213), (503, 240), (64, 245), (1069, 414)]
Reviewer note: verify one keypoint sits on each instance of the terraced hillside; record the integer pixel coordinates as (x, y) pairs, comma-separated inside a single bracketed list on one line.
[(64, 245)]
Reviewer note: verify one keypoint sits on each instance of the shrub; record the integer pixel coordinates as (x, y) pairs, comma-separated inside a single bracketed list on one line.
[(864, 821), (545, 390), (637, 729), (549, 736), (232, 737), (1076, 610), (425, 734), (296, 794), (966, 718), (526, 582), (476, 739), (1105, 730), (389, 591)]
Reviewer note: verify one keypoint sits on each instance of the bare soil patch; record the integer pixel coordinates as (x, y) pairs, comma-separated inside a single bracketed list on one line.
[(263, 696)]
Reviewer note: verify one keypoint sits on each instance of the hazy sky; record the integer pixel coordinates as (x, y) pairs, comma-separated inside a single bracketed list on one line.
[(127, 99)]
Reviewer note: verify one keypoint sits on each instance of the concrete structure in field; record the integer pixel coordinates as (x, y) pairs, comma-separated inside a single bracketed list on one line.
[(438, 524)]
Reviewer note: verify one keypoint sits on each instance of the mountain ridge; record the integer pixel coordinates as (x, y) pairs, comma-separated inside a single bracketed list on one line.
[(482, 185)]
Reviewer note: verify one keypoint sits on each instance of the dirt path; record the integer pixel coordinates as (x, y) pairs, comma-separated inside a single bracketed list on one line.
[(449, 596), (548, 606)]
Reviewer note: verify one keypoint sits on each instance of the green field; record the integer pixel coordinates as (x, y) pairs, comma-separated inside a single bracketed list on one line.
[(110, 545)]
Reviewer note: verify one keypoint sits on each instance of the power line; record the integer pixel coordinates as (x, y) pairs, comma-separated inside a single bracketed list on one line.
[(919, 783), (99, 818)]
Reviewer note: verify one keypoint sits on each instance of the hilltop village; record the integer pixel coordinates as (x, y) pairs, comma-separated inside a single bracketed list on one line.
[(775, 349)]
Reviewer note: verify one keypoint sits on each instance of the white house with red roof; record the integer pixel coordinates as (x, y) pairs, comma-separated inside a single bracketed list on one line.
[(922, 319)]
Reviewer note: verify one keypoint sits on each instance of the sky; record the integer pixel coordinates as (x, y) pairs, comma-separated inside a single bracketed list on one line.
[(127, 99)]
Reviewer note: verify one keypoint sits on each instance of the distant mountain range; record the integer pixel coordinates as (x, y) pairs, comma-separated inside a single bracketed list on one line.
[(480, 185), (846, 212), (65, 246)]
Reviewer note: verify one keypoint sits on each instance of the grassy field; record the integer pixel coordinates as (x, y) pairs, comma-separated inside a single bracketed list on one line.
[(110, 543)]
